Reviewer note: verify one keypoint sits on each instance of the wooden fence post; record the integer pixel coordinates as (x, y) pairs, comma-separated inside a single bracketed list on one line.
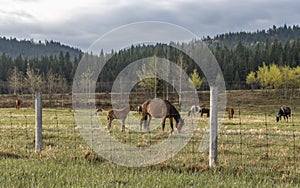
[(213, 133), (38, 122)]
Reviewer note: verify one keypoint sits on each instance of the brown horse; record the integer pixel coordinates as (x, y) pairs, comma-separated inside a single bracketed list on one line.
[(18, 104), (118, 114), (230, 113), (160, 109)]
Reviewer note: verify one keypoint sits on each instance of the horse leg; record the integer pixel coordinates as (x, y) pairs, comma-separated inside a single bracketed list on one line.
[(148, 124), (141, 124), (163, 123), (109, 123), (123, 125), (143, 121), (171, 124)]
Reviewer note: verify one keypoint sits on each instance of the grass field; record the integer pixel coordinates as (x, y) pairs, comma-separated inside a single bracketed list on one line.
[(254, 150)]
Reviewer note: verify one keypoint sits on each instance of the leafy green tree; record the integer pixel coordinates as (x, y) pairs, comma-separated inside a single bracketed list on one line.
[(263, 76), (196, 81), (275, 76), (251, 79)]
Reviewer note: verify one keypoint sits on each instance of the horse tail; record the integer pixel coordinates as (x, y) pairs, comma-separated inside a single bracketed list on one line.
[(189, 113), (289, 111), (140, 109)]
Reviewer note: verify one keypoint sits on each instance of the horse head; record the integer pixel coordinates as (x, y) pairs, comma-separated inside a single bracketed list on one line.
[(180, 124), (131, 108), (278, 117)]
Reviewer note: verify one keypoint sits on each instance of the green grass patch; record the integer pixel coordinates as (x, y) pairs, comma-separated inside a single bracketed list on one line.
[(253, 151)]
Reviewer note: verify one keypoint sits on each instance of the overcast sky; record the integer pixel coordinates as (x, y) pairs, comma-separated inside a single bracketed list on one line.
[(80, 22)]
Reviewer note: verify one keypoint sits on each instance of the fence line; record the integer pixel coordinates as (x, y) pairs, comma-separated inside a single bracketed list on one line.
[(263, 145)]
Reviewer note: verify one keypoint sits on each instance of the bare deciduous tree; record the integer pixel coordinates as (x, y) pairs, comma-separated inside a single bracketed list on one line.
[(52, 81), (15, 80), (34, 81)]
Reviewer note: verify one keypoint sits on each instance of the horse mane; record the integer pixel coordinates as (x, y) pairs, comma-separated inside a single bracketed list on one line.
[(173, 111), (282, 110)]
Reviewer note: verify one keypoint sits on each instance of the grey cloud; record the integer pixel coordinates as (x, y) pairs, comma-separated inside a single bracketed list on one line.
[(17, 13), (209, 18)]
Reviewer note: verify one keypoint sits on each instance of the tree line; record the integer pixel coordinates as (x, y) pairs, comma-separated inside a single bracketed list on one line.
[(51, 74), (283, 79), (237, 63)]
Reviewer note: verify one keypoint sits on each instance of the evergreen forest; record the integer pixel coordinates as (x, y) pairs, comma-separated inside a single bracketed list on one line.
[(55, 64)]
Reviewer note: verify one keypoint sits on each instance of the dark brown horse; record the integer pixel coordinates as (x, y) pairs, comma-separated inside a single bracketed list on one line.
[(18, 104), (285, 112), (230, 113), (160, 109), (118, 114), (205, 111)]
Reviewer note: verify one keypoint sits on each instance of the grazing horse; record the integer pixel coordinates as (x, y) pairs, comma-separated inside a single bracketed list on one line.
[(118, 114), (18, 104), (205, 111), (160, 109), (285, 112), (195, 109), (230, 113)]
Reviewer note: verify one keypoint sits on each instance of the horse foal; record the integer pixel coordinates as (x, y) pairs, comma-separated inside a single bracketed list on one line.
[(118, 114)]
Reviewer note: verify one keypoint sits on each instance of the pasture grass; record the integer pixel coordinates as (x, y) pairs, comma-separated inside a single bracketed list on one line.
[(254, 151)]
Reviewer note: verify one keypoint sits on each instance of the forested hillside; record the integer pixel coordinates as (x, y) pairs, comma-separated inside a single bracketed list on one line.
[(237, 53), (251, 39), (29, 49)]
